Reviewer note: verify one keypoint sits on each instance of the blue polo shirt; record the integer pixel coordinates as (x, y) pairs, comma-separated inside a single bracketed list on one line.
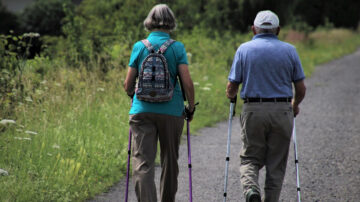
[(175, 55), (266, 67)]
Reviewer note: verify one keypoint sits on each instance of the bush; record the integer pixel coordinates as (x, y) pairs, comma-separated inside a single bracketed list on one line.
[(11, 86), (14, 67), (44, 17), (9, 21)]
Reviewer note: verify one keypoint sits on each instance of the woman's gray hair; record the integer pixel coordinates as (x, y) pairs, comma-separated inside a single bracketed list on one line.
[(160, 17)]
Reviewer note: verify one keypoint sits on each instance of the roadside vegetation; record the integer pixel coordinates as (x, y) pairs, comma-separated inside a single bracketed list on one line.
[(64, 114)]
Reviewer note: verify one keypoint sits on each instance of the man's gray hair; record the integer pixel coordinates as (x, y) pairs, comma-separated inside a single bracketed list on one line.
[(266, 31), (160, 17)]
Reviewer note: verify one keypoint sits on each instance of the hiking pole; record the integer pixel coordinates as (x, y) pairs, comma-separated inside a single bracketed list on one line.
[(189, 158), (128, 168), (296, 164), (189, 149), (128, 161), (231, 114)]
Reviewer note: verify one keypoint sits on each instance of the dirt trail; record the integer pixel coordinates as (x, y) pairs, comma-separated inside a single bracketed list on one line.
[(328, 140)]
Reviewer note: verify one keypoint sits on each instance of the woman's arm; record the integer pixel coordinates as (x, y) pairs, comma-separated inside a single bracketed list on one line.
[(130, 80), (187, 85)]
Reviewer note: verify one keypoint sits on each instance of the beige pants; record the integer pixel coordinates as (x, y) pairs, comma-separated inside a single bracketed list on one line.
[(147, 129), (266, 135)]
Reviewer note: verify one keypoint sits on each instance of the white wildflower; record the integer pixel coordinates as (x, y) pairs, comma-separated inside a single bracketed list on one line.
[(31, 132), (196, 83), (22, 138), (57, 84), (39, 92), (49, 154), (31, 34), (55, 146), (43, 82), (28, 99), (7, 121), (208, 84), (100, 89), (205, 78), (206, 88), (19, 130), (3, 172)]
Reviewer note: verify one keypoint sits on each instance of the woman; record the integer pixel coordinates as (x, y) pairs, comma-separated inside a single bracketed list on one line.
[(163, 121)]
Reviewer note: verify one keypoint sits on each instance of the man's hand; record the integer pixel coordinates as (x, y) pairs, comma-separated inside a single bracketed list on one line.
[(300, 90), (296, 109)]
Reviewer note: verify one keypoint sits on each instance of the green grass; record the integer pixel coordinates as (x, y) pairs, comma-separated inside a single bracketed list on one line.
[(81, 120), (80, 144), (327, 45)]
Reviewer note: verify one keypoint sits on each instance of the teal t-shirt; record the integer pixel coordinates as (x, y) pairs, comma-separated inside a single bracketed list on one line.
[(175, 55)]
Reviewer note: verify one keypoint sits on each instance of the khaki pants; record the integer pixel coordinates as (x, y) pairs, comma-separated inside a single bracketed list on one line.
[(266, 135), (147, 129)]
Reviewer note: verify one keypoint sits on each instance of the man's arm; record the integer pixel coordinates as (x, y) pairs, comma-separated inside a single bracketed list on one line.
[(130, 80), (232, 89), (300, 90)]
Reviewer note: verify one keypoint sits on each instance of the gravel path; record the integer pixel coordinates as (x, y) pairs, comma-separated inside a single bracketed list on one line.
[(328, 141)]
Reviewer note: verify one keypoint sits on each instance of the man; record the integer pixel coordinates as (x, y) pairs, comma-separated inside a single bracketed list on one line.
[(266, 67)]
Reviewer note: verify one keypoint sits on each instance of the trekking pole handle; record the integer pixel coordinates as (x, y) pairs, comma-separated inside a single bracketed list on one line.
[(188, 113), (233, 100)]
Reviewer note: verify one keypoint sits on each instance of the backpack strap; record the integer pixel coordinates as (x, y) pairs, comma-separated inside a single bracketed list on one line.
[(162, 50), (165, 45), (148, 45)]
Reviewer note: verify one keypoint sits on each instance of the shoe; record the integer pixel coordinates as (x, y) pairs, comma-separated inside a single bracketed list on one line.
[(253, 196)]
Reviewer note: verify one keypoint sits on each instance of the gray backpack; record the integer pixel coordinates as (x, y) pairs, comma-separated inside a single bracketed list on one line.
[(154, 83)]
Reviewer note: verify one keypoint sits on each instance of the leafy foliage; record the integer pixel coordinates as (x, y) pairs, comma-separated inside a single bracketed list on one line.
[(9, 21), (44, 17), (344, 13), (11, 85)]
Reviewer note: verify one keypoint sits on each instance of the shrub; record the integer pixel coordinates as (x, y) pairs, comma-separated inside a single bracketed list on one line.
[(44, 17)]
